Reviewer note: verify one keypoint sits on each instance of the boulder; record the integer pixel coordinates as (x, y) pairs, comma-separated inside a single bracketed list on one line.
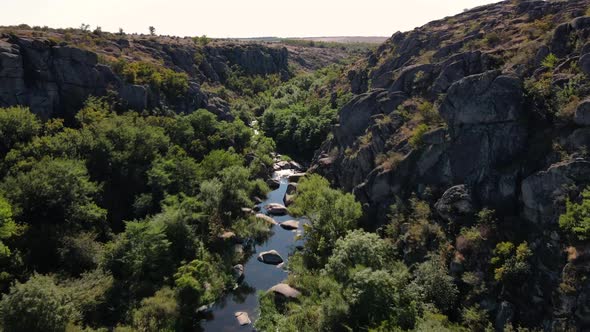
[(243, 318), (296, 177), (584, 63), (266, 218), (273, 184), (505, 315), (543, 192), (238, 272), (582, 116), (456, 204), (291, 188), (285, 291), (276, 209), (270, 257), (290, 224), (288, 199)]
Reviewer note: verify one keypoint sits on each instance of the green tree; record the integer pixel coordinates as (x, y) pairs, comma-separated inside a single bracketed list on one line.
[(54, 191), (37, 305), (8, 228), (377, 296), (140, 257), (17, 126), (357, 248), (199, 282), (435, 285), (331, 214), (157, 313)]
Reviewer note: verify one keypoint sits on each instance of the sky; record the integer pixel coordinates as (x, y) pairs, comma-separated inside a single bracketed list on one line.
[(236, 18)]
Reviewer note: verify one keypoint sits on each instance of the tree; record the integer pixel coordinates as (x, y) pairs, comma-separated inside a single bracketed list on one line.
[(357, 248), (576, 219), (377, 296), (152, 31), (37, 305), (331, 214), (54, 191), (435, 285), (140, 257), (197, 283), (157, 313), (17, 126), (8, 228)]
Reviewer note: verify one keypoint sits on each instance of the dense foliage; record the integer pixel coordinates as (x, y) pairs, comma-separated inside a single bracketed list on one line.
[(122, 213)]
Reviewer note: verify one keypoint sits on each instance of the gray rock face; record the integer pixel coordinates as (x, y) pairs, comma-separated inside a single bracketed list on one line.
[(584, 63), (483, 99), (55, 80), (543, 193), (582, 116), (355, 116)]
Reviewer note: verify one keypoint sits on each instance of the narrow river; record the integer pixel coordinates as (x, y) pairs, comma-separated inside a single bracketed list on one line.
[(258, 276)]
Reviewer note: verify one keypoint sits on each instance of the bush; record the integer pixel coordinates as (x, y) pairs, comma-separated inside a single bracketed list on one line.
[(173, 84), (550, 61), (576, 219), (417, 134), (37, 305)]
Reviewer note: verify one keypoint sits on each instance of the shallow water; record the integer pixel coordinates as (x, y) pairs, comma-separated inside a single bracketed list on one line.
[(257, 275)]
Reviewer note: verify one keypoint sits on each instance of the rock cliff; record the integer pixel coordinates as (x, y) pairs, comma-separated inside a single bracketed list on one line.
[(484, 109), (55, 77)]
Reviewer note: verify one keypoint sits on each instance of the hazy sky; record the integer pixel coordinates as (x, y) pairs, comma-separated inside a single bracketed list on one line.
[(236, 18)]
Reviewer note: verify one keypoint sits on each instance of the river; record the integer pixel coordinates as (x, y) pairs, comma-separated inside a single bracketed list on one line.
[(257, 275)]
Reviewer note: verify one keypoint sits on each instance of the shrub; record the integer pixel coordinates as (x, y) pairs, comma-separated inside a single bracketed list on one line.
[(550, 61), (576, 219), (417, 134), (512, 263)]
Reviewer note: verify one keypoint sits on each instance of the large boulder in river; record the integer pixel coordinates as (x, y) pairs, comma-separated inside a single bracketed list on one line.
[(243, 318), (276, 209), (266, 218), (270, 257), (290, 224)]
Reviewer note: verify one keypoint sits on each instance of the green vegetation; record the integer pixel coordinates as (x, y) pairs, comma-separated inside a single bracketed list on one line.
[(172, 84), (121, 215), (303, 111), (576, 219)]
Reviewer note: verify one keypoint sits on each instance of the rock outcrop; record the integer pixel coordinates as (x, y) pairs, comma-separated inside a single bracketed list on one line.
[(54, 79)]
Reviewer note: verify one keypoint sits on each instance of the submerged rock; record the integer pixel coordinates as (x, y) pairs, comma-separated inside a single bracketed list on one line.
[(270, 257)]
